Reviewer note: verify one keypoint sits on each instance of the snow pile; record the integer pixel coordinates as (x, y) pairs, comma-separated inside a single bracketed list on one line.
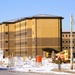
[(4, 62), (30, 65)]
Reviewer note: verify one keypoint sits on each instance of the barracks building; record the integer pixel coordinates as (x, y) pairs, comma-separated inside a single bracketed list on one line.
[(30, 36)]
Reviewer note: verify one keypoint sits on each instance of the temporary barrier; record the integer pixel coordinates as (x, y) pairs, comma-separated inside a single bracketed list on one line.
[(38, 58)]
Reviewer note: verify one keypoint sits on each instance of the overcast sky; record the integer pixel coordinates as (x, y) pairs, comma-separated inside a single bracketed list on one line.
[(12, 9)]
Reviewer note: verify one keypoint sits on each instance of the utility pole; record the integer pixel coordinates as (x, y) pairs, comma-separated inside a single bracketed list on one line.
[(71, 44)]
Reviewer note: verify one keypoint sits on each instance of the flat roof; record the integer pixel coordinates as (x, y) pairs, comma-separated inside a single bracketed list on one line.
[(45, 16), (31, 17)]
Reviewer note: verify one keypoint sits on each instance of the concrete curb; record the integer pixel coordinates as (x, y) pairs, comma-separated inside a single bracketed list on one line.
[(63, 70)]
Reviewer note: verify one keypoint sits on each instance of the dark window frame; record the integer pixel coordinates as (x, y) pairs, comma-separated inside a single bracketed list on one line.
[(6, 41), (6, 50)]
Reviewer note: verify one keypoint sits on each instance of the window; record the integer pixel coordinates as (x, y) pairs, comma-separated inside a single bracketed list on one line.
[(73, 35), (6, 24), (69, 35), (14, 43), (25, 33), (66, 35), (66, 47), (6, 41), (25, 52), (15, 35), (25, 42), (33, 42), (69, 47), (6, 33), (63, 35), (6, 50), (66, 41)]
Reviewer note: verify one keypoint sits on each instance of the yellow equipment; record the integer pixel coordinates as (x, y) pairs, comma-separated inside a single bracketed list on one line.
[(64, 55)]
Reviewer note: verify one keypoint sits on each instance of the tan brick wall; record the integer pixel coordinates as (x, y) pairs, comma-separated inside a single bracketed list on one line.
[(7, 38), (48, 35)]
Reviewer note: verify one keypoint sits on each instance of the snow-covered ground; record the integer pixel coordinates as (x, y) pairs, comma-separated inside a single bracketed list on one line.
[(30, 65)]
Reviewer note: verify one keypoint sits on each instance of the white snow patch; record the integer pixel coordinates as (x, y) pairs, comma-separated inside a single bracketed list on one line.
[(30, 65)]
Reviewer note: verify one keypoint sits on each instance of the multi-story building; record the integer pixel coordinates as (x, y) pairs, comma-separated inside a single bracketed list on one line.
[(28, 36), (7, 38), (66, 41), (38, 32)]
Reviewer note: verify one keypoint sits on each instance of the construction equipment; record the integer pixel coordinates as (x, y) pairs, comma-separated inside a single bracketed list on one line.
[(64, 55)]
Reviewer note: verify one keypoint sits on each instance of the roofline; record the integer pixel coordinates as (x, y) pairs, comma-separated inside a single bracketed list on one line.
[(68, 32), (39, 18), (44, 17), (34, 17), (7, 23)]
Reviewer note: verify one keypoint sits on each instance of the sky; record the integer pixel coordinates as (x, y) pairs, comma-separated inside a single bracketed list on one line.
[(12, 9)]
